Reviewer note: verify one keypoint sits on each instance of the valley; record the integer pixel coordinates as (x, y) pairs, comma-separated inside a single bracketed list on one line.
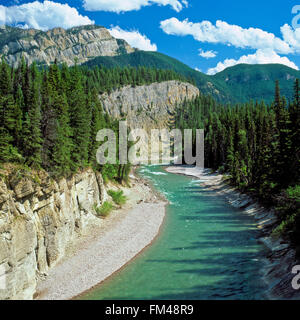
[(62, 211)]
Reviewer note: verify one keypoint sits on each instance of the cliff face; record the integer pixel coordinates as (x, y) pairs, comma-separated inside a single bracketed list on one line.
[(76, 44), (148, 107), (38, 219)]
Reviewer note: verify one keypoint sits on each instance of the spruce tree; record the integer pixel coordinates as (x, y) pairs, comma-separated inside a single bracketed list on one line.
[(32, 137), (97, 123), (8, 111), (79, 120), (62, 147)]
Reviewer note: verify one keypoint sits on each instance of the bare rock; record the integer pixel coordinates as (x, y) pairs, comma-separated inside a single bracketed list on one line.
[(37, 227), (76, 44)]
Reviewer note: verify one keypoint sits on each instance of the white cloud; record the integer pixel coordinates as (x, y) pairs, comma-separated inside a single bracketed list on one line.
[(262, 56), (197, 69), (130, 5), (207, 54), (42, 15), (227, 34), (185, 2), (291, 36), (134, 38)]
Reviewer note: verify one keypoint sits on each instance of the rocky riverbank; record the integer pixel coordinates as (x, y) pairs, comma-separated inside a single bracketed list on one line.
[(44, 222), (101, 252), (281, 257)]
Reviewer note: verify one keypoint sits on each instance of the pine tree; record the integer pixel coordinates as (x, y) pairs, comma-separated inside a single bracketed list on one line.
[(8, 111), (294, 112), (62, 147), (97, 123), (79, 120), (18, 115), (32, 137)]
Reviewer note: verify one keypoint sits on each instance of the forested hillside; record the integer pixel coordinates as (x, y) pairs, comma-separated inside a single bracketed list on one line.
[(256, 82), (93, 45), (258, 145), (237, 84), (49, 119), (205, 83)]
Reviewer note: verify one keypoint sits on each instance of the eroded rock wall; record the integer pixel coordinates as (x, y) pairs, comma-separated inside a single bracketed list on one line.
[(39, 217), (76, 44), (148, 106)]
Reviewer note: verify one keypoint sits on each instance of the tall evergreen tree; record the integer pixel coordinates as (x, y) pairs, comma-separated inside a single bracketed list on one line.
[(79, 120), (8, 111), (32, 136)]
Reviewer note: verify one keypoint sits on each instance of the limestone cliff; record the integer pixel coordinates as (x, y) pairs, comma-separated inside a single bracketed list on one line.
[(39, 217), (76, 44), (149, 106)]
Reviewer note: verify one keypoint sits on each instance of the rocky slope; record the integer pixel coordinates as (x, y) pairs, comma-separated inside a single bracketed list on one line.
[(76, 44), (149, 106), (39, 217)]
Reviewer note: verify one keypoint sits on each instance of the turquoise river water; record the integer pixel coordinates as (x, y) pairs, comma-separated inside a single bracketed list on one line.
[(206, 250)]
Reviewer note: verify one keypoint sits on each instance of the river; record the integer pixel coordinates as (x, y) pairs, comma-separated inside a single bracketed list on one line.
[(206, 250)]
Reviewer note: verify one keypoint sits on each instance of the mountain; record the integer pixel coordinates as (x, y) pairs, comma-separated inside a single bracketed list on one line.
[(235, 84), (76, 44), (245, 82), (205, 83), (94, 46)]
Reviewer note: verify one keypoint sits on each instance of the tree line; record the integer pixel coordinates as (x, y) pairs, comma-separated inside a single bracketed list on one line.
[(49, 118), (258, 146), (109, 79)]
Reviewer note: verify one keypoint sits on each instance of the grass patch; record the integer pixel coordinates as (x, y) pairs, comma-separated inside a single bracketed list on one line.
[(118, 197), (104, 210)]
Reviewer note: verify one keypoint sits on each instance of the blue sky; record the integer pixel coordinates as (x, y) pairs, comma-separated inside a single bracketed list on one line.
[(250, 32)]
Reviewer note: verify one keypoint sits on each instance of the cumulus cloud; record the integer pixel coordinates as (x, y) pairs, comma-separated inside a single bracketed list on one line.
[(291, 37), (134, 38), (42, 15), (130, 5), (262, 56), (207, 54), (227, 34)]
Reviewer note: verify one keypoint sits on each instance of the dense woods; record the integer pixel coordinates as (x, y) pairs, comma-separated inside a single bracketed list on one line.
[(49, 118), (258, 146)]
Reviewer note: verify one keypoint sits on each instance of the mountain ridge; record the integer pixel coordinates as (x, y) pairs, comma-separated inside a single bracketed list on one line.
[(78, 44), (255, 88), (92, 45)]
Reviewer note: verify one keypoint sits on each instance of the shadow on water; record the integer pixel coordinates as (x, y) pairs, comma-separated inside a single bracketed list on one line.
[(208, 250), (233, 269), (234, 282)]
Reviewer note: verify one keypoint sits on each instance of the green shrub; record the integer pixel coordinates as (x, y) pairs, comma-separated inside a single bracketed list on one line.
[(294, 193), (104, 210), (285, 226), (117, 196)]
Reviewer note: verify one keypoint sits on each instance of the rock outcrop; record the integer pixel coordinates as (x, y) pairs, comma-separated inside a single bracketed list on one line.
[(149, 106), (78, 44), (39, 217)]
